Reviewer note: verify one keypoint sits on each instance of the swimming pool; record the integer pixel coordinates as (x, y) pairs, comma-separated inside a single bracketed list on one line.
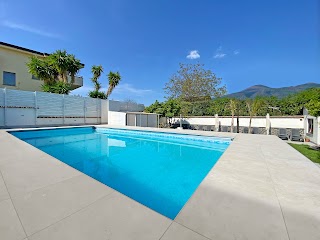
[(159, 170)]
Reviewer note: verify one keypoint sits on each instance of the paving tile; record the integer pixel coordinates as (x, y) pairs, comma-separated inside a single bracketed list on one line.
[(13, 149), (178, 232), (10, 226), (224, 211), (113, 217), (303, 223), (43, 207), (27, 175), (3, 190)]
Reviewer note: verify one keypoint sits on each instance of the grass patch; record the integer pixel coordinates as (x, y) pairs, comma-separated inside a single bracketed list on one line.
[(313, 155)]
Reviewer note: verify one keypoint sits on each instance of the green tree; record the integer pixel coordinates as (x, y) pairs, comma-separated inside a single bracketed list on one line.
[(57, 87), (155, 107), (171, 108), (41, 69), (253, 107), (55, 70), (96, 73), (193, 83), (74, 66), (97, 94), (314, 107), (114, 79), (219, 106)]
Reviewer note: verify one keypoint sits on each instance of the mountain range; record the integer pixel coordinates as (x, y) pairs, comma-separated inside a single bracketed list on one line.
[(261, 90)]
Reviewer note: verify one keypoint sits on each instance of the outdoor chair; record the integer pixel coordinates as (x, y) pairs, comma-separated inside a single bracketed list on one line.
[(200, 128), (255, 130), (234, 129), (224, 129), (283, 133), (245, 130), (206, 128), (295, 135), (196, 127), (212, 128)]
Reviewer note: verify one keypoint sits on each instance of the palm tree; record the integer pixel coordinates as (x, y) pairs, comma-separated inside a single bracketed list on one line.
[(114, 79), (253, 107), (59, 60), (73, 66), (42, 69), (96, 71)]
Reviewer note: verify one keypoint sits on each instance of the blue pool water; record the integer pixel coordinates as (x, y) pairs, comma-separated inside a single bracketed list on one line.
[(159, 170)]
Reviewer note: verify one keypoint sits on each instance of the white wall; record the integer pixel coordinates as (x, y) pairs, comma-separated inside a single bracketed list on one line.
[(315, 137), (104, 111), (276, 122), (118, 106), (117, 118)]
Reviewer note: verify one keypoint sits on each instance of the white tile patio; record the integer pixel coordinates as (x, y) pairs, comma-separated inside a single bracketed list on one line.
[(261, 188)]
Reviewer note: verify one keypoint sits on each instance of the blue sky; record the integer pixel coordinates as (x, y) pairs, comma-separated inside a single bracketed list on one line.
[(274, 43)]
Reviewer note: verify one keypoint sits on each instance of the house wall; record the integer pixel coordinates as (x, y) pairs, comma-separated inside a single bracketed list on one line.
[(315, 137), (15, 61)]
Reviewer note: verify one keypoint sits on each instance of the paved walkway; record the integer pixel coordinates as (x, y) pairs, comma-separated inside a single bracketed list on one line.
[(261, 188)]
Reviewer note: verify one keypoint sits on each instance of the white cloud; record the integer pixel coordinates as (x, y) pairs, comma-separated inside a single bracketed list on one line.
[(121, 92), (220, 55), (194, 54), (131, 90), (236, 52), (29, 29)]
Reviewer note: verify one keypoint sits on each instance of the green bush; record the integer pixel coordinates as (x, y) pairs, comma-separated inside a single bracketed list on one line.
[(97, 94), (57, 87)]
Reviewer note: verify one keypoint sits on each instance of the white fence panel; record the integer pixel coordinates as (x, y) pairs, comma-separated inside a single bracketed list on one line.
[(20, 108), (25, 108), (49, 105), (2, 107), (16, 98), (73, 106), (49, 109)]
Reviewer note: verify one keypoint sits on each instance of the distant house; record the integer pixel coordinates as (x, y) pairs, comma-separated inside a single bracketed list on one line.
[(311, 127), (14, 72)]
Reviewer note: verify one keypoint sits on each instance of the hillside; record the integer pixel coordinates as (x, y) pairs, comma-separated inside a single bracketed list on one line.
[(260, 90)]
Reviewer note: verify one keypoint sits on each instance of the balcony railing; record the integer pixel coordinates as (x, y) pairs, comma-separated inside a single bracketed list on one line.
[(78, 82)]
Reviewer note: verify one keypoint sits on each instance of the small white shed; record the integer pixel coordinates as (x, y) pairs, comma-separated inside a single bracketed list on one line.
[(142, 119)]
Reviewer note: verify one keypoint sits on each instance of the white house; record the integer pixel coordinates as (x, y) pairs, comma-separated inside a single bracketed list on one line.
[(311, 127)]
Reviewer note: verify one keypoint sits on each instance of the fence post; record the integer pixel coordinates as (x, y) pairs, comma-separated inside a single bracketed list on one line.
[(5, 106), (63, 106), (36, 108), (99, 113), (84, 110)]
